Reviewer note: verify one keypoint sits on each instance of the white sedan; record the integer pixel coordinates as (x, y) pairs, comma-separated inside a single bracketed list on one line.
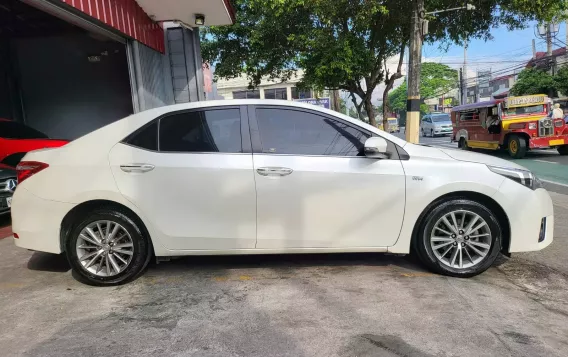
[(265, 177)]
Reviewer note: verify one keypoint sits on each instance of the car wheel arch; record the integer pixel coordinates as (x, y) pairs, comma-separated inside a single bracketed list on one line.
[(487, 201), (87, 206)]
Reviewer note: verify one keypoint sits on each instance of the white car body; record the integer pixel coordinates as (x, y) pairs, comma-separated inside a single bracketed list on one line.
[(216, 203)]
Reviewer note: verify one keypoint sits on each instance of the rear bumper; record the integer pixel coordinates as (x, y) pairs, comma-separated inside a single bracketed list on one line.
[(525, 213), (549, 141), (37, 221)]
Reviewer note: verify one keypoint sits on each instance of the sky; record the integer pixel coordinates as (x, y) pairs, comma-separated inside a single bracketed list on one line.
[(506, 53)]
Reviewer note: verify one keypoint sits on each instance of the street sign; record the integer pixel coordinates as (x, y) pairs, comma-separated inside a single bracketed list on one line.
[(320, 102)]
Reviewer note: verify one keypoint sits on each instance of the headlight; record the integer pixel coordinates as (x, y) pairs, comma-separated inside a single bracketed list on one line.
[(532, 126), (524, 177)]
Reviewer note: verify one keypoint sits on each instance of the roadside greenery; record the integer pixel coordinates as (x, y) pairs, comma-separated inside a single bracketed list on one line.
[(538, 81), (345, 44)]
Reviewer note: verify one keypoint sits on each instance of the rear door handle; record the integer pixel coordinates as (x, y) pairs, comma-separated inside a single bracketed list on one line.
[(274, 171), (137, 168)]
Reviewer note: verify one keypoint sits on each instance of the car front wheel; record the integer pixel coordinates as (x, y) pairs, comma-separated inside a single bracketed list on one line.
[(459, 238), (107, 247)]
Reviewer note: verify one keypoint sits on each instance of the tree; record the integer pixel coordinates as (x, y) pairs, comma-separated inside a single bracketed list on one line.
[(561, 80), (436, 79), (345, 44), (533, 81)]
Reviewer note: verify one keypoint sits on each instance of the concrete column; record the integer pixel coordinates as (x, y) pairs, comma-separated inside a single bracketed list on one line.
[(289, 93), (261, 93)]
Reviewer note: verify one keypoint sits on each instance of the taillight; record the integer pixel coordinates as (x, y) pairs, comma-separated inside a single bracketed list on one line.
[(27, 169)]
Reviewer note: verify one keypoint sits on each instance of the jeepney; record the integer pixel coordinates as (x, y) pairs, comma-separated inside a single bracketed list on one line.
[(393, 125), (515, 124)]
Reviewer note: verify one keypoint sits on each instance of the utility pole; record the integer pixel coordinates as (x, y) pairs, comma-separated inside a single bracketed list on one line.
[(548, 41), (414, 68), (464, 74), (462, 94), (534, 48)]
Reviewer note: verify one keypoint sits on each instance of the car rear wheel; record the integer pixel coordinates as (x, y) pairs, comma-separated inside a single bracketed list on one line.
[(462, 144), (107, 247), (459, 237), (563, 150), (517, 147)]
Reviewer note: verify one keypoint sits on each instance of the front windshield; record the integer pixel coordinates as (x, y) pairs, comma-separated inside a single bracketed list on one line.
[(440, 118), (393, 121), (524, 110)]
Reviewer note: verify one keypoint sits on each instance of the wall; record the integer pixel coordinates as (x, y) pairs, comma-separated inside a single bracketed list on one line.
[(150, 81), (64, 94)]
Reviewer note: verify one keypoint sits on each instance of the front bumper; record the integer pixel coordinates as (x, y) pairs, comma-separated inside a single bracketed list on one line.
[(526, 209), (548, 141), (37, 221), (443, 131)]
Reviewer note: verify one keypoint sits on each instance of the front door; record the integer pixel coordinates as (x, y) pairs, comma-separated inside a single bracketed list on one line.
[(195, 184), (316, 189)]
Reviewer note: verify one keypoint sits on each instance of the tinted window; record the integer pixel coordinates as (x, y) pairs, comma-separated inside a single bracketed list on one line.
[(247, 94), (276, 93), (294, 132), (202, 131), (15, 130), (146, 138), (440, 118)]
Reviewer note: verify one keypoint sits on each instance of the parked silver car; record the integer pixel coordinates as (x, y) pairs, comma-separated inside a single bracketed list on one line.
[(436, 124)]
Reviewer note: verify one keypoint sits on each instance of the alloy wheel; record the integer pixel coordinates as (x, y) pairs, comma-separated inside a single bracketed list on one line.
[(104, 248), (461, 239)]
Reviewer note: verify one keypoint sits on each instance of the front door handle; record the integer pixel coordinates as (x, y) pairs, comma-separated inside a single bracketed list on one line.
[(274, 171), (137, 168)]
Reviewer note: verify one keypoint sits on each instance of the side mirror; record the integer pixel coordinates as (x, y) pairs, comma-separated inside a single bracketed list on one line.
[(376, 148)]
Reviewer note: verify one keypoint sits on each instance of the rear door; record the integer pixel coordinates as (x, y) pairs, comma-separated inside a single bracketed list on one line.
[(316, 188), (190, 173)]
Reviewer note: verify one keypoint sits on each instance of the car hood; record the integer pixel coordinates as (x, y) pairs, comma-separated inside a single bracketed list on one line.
[(440, 123), (462, 155)]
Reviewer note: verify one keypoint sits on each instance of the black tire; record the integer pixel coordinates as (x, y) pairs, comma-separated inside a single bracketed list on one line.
[(142, 250), (563, 149), (422, 132), (431, 133), (425, 252), (517, 146), (462, 144)]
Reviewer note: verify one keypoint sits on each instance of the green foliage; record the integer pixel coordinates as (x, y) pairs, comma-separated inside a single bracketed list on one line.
[(344, 44), (435, 80), (561, 80), (533, 81)]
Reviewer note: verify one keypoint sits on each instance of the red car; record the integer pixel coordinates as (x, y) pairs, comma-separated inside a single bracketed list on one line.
[(16, 140)]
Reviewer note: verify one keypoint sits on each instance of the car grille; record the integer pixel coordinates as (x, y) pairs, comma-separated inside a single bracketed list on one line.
[(3, 203), (8, 185), (545, 127)]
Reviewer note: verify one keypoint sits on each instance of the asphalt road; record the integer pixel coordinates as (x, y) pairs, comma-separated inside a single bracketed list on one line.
[(295, 305)]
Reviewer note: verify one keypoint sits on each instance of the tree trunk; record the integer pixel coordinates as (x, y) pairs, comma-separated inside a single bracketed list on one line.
[(370, 111), (357, 105), (386, 109)]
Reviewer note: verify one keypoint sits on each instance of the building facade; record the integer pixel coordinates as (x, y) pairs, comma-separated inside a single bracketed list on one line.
[(238, 88), (68, 67)]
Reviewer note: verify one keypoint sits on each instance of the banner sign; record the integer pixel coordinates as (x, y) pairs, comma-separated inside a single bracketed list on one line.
[(525, 101), (320, 102)]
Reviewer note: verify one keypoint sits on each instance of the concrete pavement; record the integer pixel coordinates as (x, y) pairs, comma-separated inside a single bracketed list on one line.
[(296, 305)]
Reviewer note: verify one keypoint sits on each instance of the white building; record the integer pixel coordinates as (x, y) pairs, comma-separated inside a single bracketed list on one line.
[(238, 88)]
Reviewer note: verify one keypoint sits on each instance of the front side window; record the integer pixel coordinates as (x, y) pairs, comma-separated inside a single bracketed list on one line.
[(215, 130), (14, 130), (295, 132)]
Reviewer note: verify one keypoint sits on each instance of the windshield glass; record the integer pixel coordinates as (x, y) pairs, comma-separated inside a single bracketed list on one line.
[(440, 118), (524, 110), (15, 130), (393, 121)]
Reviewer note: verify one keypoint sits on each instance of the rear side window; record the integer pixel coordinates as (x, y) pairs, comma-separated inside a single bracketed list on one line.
[(216, 130), (15, 130), (146, 138)]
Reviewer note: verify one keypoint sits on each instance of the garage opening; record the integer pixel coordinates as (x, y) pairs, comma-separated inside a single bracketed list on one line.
[(58, 78)]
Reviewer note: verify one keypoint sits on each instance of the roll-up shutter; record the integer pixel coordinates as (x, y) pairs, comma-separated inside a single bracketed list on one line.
[(148, 68)]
